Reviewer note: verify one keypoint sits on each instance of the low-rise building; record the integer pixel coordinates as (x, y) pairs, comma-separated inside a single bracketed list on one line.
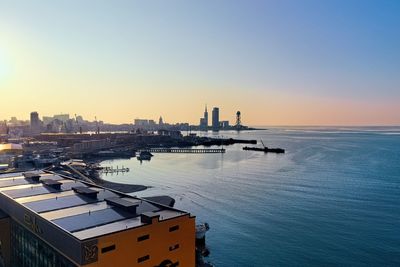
[(51, 220)]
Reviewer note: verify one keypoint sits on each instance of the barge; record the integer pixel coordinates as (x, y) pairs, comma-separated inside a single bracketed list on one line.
[(265, 149)]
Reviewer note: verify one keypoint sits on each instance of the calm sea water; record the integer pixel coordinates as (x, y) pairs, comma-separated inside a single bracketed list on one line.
[(332, 200)]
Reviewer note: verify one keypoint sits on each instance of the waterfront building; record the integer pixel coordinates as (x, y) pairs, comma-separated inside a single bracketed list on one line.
[(224, 124), (215, 119), (48, 219)]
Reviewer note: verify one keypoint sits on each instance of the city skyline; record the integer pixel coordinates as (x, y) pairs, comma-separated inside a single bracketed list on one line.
[(37, 118), (278, 62)]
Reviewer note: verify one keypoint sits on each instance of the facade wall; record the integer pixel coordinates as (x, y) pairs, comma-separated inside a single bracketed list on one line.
[(39, 227), (5, 242), (175, 247), (27, 250)]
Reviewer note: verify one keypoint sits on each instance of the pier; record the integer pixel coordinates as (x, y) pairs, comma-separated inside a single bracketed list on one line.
[(107, 170), (185, 150)]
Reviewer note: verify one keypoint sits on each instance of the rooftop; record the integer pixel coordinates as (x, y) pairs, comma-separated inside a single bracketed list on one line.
[(6, 147), (80, 209)]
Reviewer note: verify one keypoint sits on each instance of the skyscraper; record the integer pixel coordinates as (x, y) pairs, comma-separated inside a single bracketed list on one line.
[(215, 119), (35, 123), (204, 121), (206, 118)]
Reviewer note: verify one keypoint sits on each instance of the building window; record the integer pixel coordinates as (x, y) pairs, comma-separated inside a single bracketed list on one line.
[(142, 259), (108, 249), (29, 250), (174, 247), (174, 228), (143, 238)]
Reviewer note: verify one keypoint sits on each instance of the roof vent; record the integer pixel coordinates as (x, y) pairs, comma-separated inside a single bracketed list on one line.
[(86, 191), (34, 176), (52, 183), (149, 217), (123, 203)]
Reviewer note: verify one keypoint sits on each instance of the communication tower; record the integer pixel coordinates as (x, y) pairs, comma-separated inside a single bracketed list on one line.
[(238, 120)]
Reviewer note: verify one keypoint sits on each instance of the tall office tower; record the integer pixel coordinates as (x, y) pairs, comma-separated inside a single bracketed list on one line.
[(35, 123), (206, 118), (215, 119)]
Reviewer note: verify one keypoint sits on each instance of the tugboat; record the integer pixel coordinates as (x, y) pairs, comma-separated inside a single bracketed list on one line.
[(265, 149), (144, 155)]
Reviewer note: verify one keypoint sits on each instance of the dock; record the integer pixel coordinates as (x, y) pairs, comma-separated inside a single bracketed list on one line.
[(107, 170), (185, 150)]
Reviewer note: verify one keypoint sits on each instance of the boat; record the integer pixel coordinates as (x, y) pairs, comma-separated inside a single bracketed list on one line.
[(144, 155), (265, 149)]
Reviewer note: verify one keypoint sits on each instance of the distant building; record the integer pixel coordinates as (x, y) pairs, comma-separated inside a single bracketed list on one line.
[(47, 120), (224, 124), (160, 121), (35, 123), (79, 119), (88, 146), (206, 117), (215, 119), (3, 127), (204, 121), (61, 117), (14, 120), (145, 124), (141, 123)]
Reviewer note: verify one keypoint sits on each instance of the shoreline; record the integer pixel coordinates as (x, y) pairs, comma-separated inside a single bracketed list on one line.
[(124, 188), (130, 188)]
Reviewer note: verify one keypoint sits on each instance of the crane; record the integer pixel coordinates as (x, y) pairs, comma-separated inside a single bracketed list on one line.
[(263, 144)]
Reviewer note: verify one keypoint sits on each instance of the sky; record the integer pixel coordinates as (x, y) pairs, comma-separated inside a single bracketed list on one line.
[(280, 62)]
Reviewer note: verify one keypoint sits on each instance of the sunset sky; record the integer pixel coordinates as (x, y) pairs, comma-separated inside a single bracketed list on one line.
[(279, 62)]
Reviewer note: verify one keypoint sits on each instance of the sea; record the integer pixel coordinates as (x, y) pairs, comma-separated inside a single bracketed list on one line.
[(333, 199)]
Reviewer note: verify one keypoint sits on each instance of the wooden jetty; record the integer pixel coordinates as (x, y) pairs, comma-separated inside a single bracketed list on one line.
[(185, 150)]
